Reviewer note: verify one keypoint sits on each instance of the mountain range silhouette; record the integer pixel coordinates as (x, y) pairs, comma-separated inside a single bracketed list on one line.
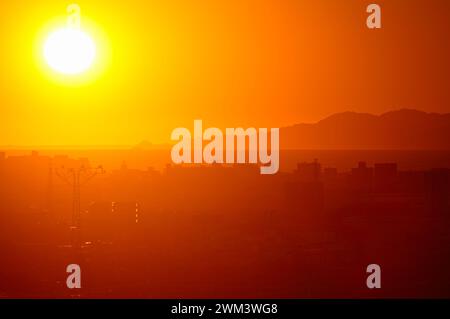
[(404, 129), (397, 130)]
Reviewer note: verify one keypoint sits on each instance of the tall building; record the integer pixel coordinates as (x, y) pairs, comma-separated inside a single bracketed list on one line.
[(385, 177), (361, 178), (308, 172), (437, 183)]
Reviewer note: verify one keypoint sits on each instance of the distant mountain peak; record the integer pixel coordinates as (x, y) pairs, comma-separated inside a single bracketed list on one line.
[(400, 129), (146, 146), (345, 116)]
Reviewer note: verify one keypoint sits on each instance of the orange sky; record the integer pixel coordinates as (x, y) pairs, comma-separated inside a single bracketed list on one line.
[(228, 62)]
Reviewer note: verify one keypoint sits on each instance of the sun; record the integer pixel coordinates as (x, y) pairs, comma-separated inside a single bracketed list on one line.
[(69, 51)]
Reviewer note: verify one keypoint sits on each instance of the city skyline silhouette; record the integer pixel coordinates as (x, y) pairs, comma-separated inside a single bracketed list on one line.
[(355, 105)]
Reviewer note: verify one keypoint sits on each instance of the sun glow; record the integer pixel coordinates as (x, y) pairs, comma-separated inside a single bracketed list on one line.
[(69, 51)]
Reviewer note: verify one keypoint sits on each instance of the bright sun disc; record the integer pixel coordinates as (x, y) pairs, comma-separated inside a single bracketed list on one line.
[(69, 51)]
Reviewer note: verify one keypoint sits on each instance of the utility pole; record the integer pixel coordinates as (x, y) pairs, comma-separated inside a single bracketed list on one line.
[(76, 178)]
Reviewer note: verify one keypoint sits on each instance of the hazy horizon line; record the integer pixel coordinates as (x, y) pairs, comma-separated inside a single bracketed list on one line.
[(166, 144)]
